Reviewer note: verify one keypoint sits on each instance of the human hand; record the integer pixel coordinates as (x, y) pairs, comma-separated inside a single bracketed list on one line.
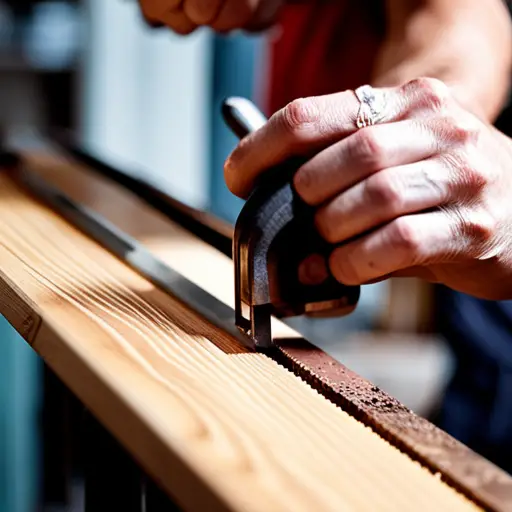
[(184, 16), (426, 192)]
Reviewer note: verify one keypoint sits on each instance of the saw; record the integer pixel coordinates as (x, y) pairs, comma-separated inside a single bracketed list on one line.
[(273, 234)]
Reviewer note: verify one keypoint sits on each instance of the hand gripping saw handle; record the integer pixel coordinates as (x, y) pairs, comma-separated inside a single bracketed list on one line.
[(274, 233)]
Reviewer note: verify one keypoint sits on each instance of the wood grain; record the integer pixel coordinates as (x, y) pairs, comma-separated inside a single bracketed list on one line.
[(462, 468), (19, 310), (220, 427)]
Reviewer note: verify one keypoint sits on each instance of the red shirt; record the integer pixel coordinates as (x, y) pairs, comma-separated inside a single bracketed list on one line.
[(324, 46)]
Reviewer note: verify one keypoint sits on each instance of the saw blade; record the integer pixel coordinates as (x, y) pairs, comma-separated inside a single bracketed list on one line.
[(210, 229), (133, 253)]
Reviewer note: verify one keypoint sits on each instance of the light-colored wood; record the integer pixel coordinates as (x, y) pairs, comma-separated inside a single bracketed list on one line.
[(409, 307), (220, 427)]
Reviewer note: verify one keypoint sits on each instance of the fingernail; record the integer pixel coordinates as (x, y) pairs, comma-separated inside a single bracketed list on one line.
[(313, 270)]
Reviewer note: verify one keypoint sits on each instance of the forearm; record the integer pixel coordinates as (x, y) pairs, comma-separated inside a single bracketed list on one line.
[(465, 43)]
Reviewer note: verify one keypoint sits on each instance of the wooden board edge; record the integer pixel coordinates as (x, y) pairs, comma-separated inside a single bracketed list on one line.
[(186, 486), (182, 483), (19, 310), (461, 468)]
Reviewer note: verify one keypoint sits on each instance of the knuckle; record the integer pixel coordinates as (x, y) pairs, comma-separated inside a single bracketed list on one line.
[(469, 178), (383, 192), (473, 180), (300, 114), (430, 92), (480, 227), (200, 11), (233, 15), (366, 149), (463, 132), (405, 238)]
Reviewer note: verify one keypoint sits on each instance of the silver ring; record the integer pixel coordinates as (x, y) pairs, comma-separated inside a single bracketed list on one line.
[(371, 110)]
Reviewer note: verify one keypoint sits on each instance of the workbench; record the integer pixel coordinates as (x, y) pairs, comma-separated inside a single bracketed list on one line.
[(213, 424)]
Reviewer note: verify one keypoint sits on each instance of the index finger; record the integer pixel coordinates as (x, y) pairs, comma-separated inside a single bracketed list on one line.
[(303, 125), (308, 125)]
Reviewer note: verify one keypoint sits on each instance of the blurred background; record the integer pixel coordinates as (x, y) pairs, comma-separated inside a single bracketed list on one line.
[(148, 101)]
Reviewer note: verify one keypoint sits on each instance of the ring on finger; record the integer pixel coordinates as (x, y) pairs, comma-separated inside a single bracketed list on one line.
[(372, 106)]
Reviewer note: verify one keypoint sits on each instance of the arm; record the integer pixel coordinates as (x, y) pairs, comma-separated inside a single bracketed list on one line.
[(465, 43), (425, 192)]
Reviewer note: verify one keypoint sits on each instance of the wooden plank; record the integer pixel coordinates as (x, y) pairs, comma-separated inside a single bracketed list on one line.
[(409, 307), (219, 427), (433, 448)]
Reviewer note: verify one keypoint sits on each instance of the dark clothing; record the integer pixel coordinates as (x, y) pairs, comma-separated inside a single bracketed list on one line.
[(477, 408)]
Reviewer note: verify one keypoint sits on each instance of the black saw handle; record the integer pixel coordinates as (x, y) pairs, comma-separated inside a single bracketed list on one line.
[(274, 233)]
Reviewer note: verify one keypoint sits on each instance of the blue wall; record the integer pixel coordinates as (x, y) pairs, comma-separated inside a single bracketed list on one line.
[(19, 417), (236, 63)]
